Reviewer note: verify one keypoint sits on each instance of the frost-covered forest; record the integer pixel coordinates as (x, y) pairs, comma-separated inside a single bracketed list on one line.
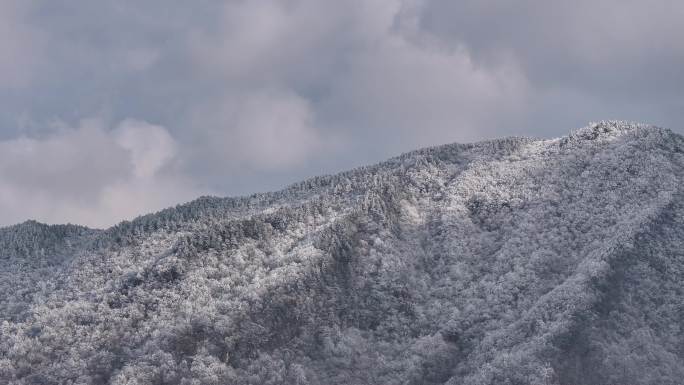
[(513, 261)]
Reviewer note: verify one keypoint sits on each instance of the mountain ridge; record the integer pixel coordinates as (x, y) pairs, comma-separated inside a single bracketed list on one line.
[(591, 132)]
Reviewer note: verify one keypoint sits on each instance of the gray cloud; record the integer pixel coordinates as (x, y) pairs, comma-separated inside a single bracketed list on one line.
[(237, 96), (624, 55), (267, 130)]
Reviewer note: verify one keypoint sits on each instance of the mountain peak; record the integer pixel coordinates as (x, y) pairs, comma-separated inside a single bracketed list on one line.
[(613, 128)]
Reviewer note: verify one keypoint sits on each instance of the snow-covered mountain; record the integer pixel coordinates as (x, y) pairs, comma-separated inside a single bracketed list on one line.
[(513, 261)]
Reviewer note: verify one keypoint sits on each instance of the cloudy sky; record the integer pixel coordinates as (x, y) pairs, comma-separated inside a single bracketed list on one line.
[(110, 109)]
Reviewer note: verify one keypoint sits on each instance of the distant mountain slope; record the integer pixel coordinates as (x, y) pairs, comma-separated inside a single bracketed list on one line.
[(513, 261)]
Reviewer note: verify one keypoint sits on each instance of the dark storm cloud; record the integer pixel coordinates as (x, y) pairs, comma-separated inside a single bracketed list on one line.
[(245, 96)]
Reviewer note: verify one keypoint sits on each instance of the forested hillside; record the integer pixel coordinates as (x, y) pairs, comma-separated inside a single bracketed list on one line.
[(513, 261)]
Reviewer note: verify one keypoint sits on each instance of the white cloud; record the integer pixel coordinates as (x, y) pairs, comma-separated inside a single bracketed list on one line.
[(90, 175), (150, 146), (360, 71), (419, 94), (266, 130)]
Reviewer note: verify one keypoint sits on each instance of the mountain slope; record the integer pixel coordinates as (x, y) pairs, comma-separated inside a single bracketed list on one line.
[(514, 261)]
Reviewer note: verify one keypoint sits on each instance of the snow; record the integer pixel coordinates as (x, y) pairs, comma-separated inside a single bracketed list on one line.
[(514, 261)]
